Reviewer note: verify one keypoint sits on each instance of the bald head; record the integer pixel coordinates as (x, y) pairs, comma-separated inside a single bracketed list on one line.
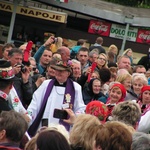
[(64, 52)]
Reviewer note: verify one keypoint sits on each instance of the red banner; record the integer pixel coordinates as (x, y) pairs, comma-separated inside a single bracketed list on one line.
[(143, 36), (99, 27)]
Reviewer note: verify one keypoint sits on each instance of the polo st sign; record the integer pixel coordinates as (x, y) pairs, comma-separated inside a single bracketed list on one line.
[(118, 31)]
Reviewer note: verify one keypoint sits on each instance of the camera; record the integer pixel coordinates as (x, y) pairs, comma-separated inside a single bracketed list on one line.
[(60, 114), (55, 40), (34, 68), (23, 68)]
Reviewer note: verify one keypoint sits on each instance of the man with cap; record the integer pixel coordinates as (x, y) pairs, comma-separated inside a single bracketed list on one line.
[(60, 92), (6, 82)]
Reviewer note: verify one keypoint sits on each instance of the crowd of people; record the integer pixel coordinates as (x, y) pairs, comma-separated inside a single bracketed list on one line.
[(106, 98)]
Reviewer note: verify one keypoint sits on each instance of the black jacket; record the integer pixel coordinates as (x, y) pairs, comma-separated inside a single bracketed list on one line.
[(100, 48), (4, 105)]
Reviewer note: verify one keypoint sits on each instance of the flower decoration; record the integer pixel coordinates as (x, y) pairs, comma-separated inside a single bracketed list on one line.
[(97, 109), (70, 63), (6, 73), (10, 73), (16, 99), (68, 98), (3, 95)]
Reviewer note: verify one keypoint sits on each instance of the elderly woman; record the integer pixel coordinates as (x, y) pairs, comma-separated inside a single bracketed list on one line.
[(138, 81), (117, 94), (93, 91), (76, 69)]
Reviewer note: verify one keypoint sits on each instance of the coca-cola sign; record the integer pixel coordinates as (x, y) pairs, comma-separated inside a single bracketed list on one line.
[(143, 36), (99, 27)]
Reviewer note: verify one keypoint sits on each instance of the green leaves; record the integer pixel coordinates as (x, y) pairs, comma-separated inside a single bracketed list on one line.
[(132, 3)]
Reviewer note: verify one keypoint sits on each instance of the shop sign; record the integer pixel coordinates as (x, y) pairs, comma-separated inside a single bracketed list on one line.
[(99, 27), (37, 13), (118, 31), (143, 36), (6, 7)]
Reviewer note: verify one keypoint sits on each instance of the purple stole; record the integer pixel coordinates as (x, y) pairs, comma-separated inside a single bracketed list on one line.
[(69, 90)]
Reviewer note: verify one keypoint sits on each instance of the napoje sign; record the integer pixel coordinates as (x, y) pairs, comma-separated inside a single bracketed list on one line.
[(37, 13), (6, 7)]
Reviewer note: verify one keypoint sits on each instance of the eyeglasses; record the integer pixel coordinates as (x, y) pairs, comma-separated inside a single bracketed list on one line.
[(102, 59)]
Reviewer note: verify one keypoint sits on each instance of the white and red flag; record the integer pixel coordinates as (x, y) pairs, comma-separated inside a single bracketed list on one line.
[(62, 1)]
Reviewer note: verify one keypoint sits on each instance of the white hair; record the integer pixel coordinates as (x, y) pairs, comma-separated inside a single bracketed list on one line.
[(139, 76), (122, 71), (59, 128), (74, 61)]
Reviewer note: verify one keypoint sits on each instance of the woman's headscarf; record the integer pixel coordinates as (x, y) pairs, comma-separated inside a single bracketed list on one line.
[(90, 85), (123, 90), (144, 107), (144, 88), (97, 109)]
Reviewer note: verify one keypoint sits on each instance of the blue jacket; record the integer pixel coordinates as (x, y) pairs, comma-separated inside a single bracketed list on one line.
[(37, 57)]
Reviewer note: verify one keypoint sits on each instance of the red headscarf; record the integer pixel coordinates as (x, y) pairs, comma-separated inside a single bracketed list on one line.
[(97, 109), (147, 107), (123, 90), (143, 89)]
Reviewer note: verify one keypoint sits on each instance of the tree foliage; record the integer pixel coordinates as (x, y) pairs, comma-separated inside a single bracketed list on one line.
[(132, 3)]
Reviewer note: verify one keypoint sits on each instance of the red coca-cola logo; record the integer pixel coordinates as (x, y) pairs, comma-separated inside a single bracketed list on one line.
[(101, 28), (143, 36)]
